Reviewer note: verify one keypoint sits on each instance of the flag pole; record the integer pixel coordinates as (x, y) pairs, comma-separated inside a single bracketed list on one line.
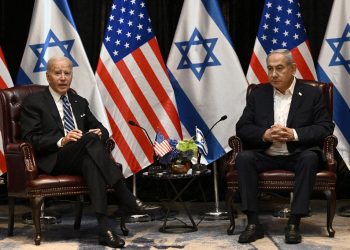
[(217, 214)]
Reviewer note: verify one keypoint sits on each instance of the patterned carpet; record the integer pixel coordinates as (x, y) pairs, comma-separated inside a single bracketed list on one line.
[(211, 234)]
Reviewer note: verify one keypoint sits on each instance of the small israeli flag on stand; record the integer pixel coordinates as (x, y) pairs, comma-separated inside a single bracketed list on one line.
[(200, 142)]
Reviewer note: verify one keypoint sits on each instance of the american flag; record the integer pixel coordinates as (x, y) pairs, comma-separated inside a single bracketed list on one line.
[(281, 27), (5, 82), (161, 145), (134, 84)]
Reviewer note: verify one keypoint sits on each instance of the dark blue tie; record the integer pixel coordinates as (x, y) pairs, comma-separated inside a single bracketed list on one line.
[(68, 121)]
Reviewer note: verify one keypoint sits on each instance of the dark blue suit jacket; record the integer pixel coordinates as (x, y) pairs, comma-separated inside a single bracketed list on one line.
[(41, 124), (307, 115)]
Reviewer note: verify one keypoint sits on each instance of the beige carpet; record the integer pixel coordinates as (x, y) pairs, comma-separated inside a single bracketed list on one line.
[(145, 235)]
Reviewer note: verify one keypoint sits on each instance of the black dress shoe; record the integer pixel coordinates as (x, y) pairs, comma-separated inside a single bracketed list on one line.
[(142, 208), (251, 233), (109, 238), (292, 234)]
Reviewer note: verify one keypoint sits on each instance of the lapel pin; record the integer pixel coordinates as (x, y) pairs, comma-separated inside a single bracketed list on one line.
[(82, 115), (300, 94)]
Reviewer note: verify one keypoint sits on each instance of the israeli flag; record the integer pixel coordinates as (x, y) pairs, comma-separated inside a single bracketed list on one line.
[(53, 33), (200, 142), (206, 75), (334, 66)]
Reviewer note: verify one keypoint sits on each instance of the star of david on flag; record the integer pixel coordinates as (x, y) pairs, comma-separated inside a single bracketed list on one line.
[(281, 27), (206, 75), (207, 55), (51, 41), (5, 82), (53, 33), (334, 66)]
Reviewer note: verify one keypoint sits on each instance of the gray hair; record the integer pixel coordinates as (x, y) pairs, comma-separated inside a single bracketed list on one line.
[(284, 52), (57, 58)]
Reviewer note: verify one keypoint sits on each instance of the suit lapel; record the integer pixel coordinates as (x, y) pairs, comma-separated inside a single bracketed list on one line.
[(269, 106), (76, 110), (51, 105), (296, 102)]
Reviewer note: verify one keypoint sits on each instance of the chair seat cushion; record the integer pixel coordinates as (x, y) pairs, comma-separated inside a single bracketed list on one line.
[(284, 175), (60, 181)]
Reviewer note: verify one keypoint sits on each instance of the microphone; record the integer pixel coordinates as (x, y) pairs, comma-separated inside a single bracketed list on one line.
[(132, 123), (224, 117)]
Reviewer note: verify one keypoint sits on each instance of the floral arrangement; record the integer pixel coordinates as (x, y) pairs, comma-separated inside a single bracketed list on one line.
[(181, 151)]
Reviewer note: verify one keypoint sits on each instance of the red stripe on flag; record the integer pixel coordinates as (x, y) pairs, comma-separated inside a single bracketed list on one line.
[(123, 145), (3, 84), (258, 69), (174, 115), (139, 96), (158, 89), (155, 47), (124, 109), (302, 65), (3, 57), (3, 168)]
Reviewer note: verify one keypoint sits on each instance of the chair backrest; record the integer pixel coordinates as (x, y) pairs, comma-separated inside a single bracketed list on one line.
[(10, 107), (326, 89)]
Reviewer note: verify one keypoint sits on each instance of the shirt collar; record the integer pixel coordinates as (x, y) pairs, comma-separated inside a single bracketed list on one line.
[(289, 91), (55, 95)]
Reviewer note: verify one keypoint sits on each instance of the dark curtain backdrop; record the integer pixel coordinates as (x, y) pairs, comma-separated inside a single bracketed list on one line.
[(242, 18)]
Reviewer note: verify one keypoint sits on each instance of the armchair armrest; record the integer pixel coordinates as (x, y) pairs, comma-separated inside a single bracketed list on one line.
[(329, 146), (235, 143), (21, 166)]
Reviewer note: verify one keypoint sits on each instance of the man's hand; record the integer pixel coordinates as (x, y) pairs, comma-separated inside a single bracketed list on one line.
[(278, 133), (96, 131), (72, 135)]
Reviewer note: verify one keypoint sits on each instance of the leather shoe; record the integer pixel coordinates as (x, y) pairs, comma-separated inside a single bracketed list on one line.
[(111, 239), (142, 208), (251, 233), (292, 234)]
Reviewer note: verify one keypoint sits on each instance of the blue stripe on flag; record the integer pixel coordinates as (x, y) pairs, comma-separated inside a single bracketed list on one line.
[(321, 74), (341, 114), (190, 118), (22, 78), (214, 11), (341, 111), (64, 7)]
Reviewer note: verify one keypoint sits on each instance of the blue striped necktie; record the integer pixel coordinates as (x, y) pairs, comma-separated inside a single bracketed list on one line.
[(68, 121)]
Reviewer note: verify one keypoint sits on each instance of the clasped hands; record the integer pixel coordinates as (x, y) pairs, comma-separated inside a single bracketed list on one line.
[(76, 134), (278, 133)]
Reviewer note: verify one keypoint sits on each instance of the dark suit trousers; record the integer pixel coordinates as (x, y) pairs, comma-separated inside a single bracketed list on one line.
[(250, 163), (88, 158)]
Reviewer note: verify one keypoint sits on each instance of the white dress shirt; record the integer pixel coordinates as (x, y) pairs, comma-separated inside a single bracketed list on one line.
[(281, 106)]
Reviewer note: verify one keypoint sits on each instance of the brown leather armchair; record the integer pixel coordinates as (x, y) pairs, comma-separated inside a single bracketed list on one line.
[(24, 178), (281, 180)]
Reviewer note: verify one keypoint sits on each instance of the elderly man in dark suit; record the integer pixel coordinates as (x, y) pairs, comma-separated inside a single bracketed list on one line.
[(68, 139), (281, 127)]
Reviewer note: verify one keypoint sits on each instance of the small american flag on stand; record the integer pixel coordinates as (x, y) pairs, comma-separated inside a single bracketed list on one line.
[(161, 145), (281, 27)]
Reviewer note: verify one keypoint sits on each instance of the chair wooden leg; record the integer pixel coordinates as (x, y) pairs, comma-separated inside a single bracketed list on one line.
[(11, 217), (230, 210), (78, 212), (331, 207), (36, 203)]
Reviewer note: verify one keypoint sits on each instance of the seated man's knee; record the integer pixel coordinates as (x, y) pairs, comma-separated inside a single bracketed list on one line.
[(244, 157)]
